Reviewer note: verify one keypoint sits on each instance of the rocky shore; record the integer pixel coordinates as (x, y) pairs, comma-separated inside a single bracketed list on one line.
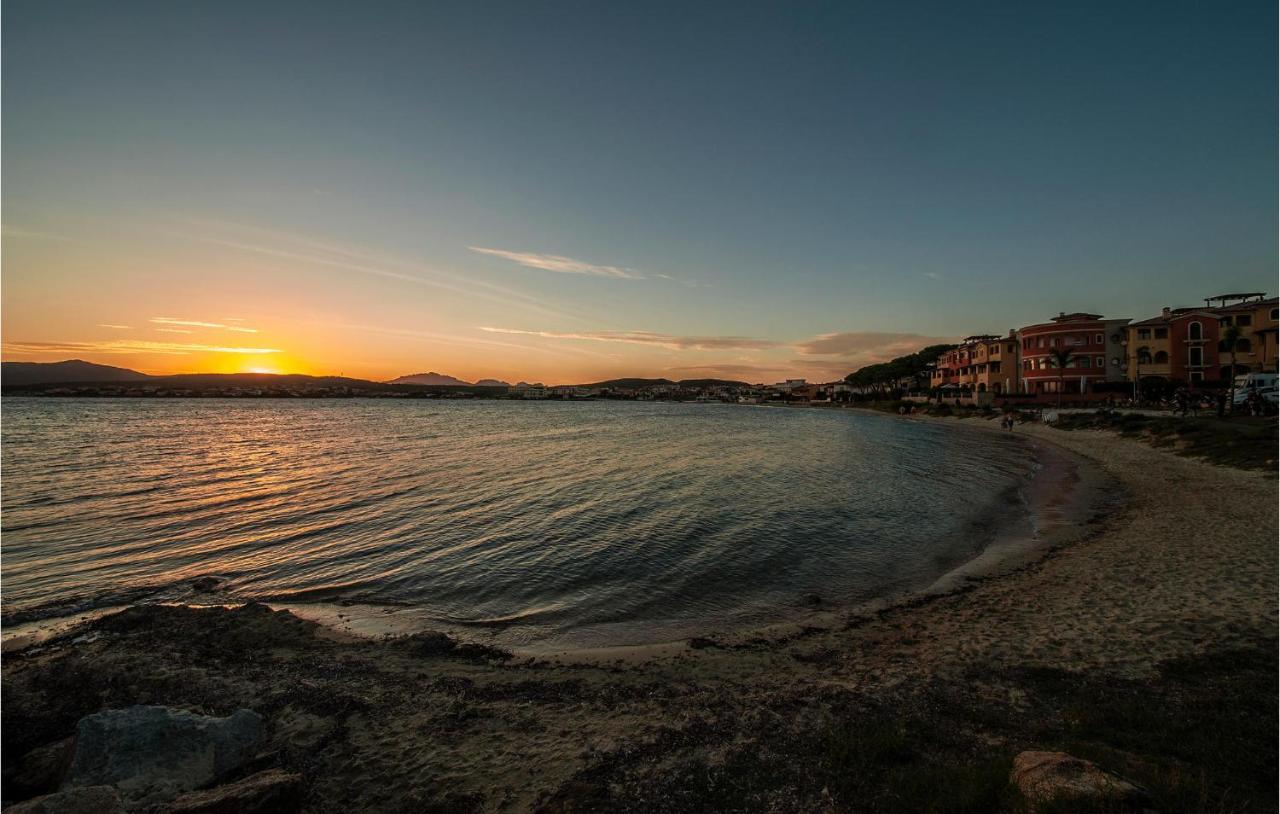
[(1147, 648)]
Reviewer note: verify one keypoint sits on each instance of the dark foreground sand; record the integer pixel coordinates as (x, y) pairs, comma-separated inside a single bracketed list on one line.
[(1164, 616)]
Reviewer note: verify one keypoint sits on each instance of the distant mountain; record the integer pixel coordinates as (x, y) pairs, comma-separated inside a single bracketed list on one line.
[(17, 374), (492, 383), (430, 378)]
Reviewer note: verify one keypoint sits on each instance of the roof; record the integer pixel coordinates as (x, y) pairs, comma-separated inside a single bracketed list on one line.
[(1079, 315), (1174, 313), (1244, 306), (1261, 295)]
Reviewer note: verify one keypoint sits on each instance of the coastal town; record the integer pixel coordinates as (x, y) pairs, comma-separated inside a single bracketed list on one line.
[(1228, 344)]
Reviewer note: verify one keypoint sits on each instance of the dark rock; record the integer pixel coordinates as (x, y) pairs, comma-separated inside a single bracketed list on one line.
[(270, 791), (1044, 777), (430, 643), (433, 643), (702, 642), (39, 771), (812, 600), (85, 800), (158, 752), (205, 584)]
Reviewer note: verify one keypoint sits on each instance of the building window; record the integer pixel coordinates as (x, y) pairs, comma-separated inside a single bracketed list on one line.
[(1195, 356), (1197, 376), (1144, 333), (1275, 314), (1195, 331), (1225, 321), (1039, 341), (1101, 361), (1097, 339), (1244, 319), (1162, 358), (1244, 346), (1162, 333)]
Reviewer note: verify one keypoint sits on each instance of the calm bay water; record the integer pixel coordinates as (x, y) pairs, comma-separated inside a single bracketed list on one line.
[(587, 523)]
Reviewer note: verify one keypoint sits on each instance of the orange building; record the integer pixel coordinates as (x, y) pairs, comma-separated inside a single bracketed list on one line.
[(981, 364), (1097, 353)]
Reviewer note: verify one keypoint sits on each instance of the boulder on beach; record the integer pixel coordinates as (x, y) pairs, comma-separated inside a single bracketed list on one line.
[(84, 800), (40, 770), (1043, 777), (158, 752), (205, 584), (271, 791)]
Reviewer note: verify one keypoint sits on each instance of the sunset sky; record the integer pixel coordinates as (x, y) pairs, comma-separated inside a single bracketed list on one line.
[(568, 192)]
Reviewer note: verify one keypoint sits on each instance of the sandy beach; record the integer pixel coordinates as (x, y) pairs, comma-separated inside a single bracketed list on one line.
[(1180, 569)]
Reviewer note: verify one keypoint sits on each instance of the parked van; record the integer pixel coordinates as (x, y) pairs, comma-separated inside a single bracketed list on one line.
[(1250, 382)]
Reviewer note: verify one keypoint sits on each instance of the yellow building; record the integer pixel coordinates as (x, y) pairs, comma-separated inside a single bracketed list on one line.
[(1256, 317), (981, 364)]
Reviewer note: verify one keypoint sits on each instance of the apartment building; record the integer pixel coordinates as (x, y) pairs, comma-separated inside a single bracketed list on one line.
[(983, 363), (1097, 347), (1179, 345), (1256, 317)]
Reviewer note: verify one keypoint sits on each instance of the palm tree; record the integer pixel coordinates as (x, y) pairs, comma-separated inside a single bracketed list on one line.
[(1231, 336), (1060, 359), (1143, 355)]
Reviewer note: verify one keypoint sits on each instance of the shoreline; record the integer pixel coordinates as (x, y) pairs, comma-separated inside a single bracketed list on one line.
[(1170, 600), (1045, 519)]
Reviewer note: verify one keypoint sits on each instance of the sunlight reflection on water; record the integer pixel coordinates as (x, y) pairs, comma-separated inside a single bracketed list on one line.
[(613, 521)]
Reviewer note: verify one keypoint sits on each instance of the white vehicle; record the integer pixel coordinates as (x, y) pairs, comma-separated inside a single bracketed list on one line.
[(1250, 382)]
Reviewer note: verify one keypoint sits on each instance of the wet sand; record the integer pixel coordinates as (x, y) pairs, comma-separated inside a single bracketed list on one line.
[(1185, 565)]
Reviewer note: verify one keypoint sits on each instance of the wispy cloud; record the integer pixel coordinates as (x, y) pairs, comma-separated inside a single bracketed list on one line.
[(866, 346), (8, 230), (306, 251), (175, 330), (128, 346), (558, 263), (650, 338), (933, 275), (115, 327), (195, 323), (463, 341)]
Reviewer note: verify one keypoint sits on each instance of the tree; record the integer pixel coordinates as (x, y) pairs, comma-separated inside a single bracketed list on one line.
[(1231, 336), (883, 377), (1060, 359)]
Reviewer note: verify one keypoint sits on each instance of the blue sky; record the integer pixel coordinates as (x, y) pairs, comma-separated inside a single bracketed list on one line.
[(680, 189)]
